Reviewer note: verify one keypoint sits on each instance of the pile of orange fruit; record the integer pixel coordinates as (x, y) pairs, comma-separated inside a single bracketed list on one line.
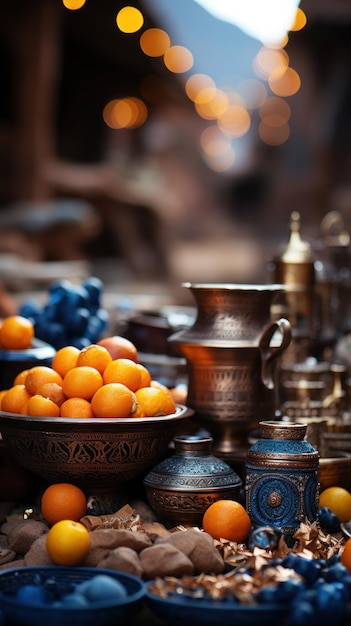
[(101, 380)]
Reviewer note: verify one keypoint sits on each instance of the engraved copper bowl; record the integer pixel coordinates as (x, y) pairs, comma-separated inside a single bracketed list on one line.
[(99, 455)]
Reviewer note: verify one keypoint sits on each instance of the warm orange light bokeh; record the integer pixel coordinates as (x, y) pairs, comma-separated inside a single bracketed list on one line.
[(284, 83), (154, 42), (235, 121), (197, 83), (213, 107), (275, 111), (300, 20), (125, 113), (73, 5), (213, 142), (129, 19), (178, 59), (270, 60), (274, 135)]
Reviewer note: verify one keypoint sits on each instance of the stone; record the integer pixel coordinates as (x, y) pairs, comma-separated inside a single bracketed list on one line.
[(165, 560), (21, 536), (123, 559), (199, 547)]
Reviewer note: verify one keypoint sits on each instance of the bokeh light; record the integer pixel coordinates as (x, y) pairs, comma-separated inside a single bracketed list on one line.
[(211, 104), (125, 113), (213, 142), (73, 5), (273, 135), (197, 83), (275, 111), (300, 20), (284, 83), (220, 163), (270, 60), (235, 121), (178, 59), (129, 19), (253, 93), (154, 42)]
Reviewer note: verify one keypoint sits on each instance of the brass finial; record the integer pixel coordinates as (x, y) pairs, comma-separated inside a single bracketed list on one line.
[(297, 250)]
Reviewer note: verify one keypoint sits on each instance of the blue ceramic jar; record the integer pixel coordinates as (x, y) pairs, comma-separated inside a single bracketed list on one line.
[(281, 484)]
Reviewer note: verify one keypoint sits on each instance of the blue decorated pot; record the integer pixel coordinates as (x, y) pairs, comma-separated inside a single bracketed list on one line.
[(281, 484)]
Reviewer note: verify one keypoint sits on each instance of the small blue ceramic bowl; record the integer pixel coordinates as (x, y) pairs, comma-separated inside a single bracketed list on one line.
[(12, 362), (57, 581), (180, 609)]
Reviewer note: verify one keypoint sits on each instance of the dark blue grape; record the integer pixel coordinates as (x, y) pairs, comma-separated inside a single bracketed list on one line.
[(328, 521), (302, 614), (336, 572), (267, 595), (96, 325), (310, 570), (78, 321), (94, 287), (287, 590), (30, 310), (79, 342)]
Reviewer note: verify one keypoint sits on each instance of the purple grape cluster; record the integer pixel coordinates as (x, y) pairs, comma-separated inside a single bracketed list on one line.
[(73, 314)]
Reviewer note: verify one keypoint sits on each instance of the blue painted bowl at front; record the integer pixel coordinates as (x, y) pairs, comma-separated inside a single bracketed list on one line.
[(58, 581), (180, 609)]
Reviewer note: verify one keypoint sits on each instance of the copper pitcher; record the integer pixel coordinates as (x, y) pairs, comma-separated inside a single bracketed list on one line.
[(232, 351)]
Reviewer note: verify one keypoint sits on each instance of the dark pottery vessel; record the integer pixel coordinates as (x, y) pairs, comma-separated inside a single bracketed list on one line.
[(180, 488), (282, 477)]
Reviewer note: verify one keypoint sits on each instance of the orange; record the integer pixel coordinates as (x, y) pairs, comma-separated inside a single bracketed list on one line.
[(145, 376), (16, 333), (53, 392), (113, 400), (21, 377), (337, 500), (40, 374), (82, 382), (38, 406), (64, 359), (120, 347), (346, 555), (63, 501), (138, 411), (14, 399), (95, 356), (155, 401), (2, 393), (227, 519), (123, 371), (68, 543), (76, 407)]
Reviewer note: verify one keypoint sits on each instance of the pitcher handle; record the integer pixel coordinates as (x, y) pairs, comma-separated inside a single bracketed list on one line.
[(269, 353)]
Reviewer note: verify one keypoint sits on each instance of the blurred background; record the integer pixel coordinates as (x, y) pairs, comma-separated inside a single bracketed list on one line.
[(155, 142)]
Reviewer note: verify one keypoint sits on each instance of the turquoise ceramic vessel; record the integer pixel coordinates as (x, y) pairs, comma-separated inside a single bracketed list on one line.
[(281, 483)]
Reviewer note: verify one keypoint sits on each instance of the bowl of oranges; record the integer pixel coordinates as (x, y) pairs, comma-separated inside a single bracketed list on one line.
[(94, 417)]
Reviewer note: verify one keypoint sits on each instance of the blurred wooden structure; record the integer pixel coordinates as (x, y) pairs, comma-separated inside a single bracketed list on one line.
[(59, 68)]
